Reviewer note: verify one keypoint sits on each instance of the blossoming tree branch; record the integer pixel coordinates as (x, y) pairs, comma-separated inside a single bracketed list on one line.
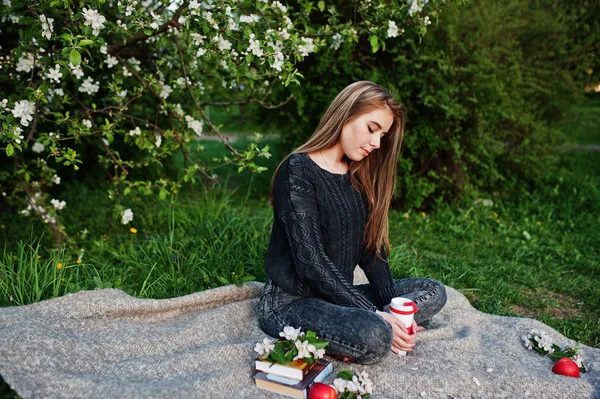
[(129, 82)]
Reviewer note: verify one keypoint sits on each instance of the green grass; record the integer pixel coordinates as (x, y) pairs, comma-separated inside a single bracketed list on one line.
[(582, 124), (486, 254)]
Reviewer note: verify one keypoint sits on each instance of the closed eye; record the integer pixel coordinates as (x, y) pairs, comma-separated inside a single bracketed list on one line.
[(370, 130)]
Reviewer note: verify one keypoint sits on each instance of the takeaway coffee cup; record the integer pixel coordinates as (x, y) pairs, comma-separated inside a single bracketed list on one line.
[(403, 309)]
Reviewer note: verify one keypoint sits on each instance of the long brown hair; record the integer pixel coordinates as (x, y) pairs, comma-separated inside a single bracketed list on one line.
[(375, 175)]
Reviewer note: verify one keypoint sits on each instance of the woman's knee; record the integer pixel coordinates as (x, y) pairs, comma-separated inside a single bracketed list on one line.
[(432, 302), (376, 342)]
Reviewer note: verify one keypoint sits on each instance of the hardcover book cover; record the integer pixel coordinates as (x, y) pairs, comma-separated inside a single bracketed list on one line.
[(295, 370), (293, 388)]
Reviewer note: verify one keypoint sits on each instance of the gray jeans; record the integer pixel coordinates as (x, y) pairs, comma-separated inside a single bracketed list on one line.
[(352, 332)]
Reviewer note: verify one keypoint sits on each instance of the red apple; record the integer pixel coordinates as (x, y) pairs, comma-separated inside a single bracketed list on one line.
[(321, 391), (566, 366)]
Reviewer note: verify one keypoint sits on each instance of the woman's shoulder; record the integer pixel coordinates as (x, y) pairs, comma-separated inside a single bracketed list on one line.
[(295, 164)]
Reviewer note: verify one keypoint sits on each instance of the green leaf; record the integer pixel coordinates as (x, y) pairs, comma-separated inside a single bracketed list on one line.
[(163, 194), (374, 40), (66, 36), (223, 280), (75, 57), (321, 5), (311, 334), (240, 169), (278, 355), (148, 32), (127, 190), (345, 374), (10, 150), (86, 42)]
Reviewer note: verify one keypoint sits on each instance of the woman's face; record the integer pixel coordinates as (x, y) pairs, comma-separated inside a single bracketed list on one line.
[(362, 135)]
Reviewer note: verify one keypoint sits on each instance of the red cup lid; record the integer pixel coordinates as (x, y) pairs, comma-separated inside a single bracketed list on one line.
[(406, 312)]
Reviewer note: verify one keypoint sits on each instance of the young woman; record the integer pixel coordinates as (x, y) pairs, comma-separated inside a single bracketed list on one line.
[(330, 199)]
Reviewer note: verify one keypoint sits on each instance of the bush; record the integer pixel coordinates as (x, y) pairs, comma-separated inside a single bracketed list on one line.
[(483, 91)]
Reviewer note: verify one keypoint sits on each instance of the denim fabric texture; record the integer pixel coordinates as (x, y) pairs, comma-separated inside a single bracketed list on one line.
[(350, 331)]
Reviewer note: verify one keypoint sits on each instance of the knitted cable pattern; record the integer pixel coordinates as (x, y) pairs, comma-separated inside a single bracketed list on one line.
[(317, 237)]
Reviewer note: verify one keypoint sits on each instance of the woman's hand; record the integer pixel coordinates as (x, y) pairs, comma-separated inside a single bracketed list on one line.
[(402, 339)]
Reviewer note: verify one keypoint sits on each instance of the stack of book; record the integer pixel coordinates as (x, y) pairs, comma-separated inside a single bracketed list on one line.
[(292, 379)]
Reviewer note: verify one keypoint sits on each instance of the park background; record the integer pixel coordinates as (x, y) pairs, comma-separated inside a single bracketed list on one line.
[(498, 182)]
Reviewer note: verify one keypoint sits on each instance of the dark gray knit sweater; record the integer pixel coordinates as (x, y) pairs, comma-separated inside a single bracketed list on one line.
[(317, 237)]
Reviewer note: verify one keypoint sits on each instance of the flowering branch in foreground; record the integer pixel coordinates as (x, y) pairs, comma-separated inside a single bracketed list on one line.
[(540, 341), (297, 345), (110, 84), (353, 386)]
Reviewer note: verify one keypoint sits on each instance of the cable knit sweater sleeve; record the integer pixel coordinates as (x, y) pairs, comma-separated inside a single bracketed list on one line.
[(379, 275), (300, 219)]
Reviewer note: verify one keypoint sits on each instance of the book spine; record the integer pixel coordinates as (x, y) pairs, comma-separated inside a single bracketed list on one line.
[(323, 374)]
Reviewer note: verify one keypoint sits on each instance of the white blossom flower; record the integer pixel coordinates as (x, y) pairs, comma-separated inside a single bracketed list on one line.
[(58, 205), (76, 70), (24, 109), (249, 19), (37, 147), (93, 19), (264, 348), (209, 18), (104, 49), (254, 46), (165, 90), (135, 132), (87, 123), (122, 93), (130, 8), (527, 342), (307, 47), (290, 333), (278, 60), (196, 126), (3, 105), (54, 74), (127, 216), (158, 140), (55, 179), (578, 360), (303, 351), (416, 6), (194, 7), (223, 44), (111, 61), (547, 346), (319, 353), (339, 384), (336, 41), (392, 29), (351, 386), (25, 63), (198, 38), (47, 27), (426, 20), (89, 86), (157, 20), (277, 4), (105, 141)]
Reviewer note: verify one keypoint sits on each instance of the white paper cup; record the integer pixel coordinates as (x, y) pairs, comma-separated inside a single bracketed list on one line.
[(403, 309)]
